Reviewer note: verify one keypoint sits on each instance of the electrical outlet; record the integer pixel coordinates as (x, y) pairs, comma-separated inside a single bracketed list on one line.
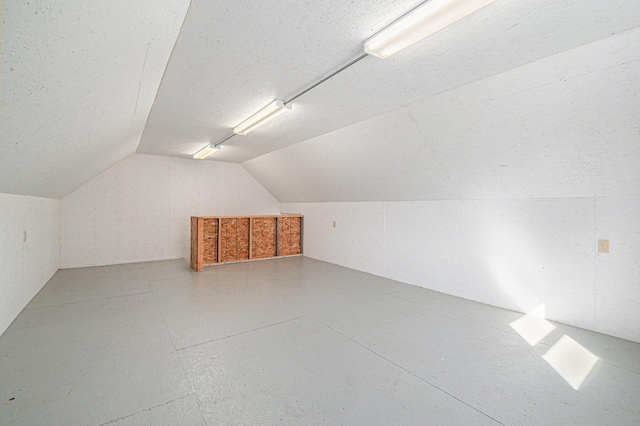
[(334, 223), (603, 246)]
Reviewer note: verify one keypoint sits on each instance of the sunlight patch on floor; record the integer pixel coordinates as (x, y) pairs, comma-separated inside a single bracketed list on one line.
[(571, 360), (533, 327)]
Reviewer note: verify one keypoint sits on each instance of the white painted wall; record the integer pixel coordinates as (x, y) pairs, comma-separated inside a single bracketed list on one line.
[(514, 253), (140, 209), (2, 14), (496, 191), (26, 266)]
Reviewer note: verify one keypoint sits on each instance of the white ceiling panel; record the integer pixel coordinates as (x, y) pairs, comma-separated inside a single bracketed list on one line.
[(221, 74), (172, 143), (234, 57), (331, 167), (564, 126), (314, 36), (79, 79), (499, 37), (330, 106), (200, 95)]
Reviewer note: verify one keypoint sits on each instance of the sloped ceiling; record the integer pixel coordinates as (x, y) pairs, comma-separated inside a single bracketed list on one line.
[(78, 81), (79, 78), (564, 126), (235, 56)]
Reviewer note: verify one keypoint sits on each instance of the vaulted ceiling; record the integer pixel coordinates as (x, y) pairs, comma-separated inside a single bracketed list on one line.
[(564, 126), (86, 84), (79, 80)]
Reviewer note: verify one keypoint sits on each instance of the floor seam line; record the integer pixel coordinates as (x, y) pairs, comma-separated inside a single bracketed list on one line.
[(147, 409), (173, 343), (410, 372), (241, 333), (168, 278), (88, 300)]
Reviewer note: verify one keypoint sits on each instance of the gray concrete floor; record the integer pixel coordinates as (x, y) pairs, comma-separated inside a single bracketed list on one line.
[(290, 341)]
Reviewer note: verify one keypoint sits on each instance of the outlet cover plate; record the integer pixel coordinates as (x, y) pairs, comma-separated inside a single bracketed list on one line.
[(603, 246)]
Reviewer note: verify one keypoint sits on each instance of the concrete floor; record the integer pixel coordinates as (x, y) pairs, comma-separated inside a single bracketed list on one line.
[(291, 341)]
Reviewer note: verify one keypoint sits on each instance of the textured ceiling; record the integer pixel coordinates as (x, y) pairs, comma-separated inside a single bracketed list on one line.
[(564, 126), (234, 57), (79, 79)]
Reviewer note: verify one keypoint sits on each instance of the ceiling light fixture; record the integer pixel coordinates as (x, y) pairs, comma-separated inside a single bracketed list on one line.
[(421, 22), (426, 19), (265, 115), (206, 151)]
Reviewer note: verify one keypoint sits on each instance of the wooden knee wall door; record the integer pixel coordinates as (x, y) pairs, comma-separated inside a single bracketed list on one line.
[(228, 239)]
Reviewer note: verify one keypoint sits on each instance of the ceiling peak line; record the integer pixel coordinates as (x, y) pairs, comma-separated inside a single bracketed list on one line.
[(426, 19), (322, 80), (225, 139), (296, 96), (144, 64)]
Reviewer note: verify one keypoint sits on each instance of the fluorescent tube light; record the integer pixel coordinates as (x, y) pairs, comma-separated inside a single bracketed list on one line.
[(423, 21), (265, 115), (206, 151)]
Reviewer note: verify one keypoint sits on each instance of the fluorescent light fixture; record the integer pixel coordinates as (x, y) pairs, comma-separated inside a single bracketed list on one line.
[(265, 115), (206, 151), (423, 21)]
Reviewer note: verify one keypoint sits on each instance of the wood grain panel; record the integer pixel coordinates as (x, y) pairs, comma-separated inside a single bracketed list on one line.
[(263, 237), (225, 239), (242, 239), (234, 239), (226, 227), (289, 236), (284, 236), (222, 240), (210, 241), (296, 236), (196, 260)]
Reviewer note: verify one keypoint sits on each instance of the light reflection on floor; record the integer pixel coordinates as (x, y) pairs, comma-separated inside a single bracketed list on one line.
[(567, 357), (571, 360), (533, 327)]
